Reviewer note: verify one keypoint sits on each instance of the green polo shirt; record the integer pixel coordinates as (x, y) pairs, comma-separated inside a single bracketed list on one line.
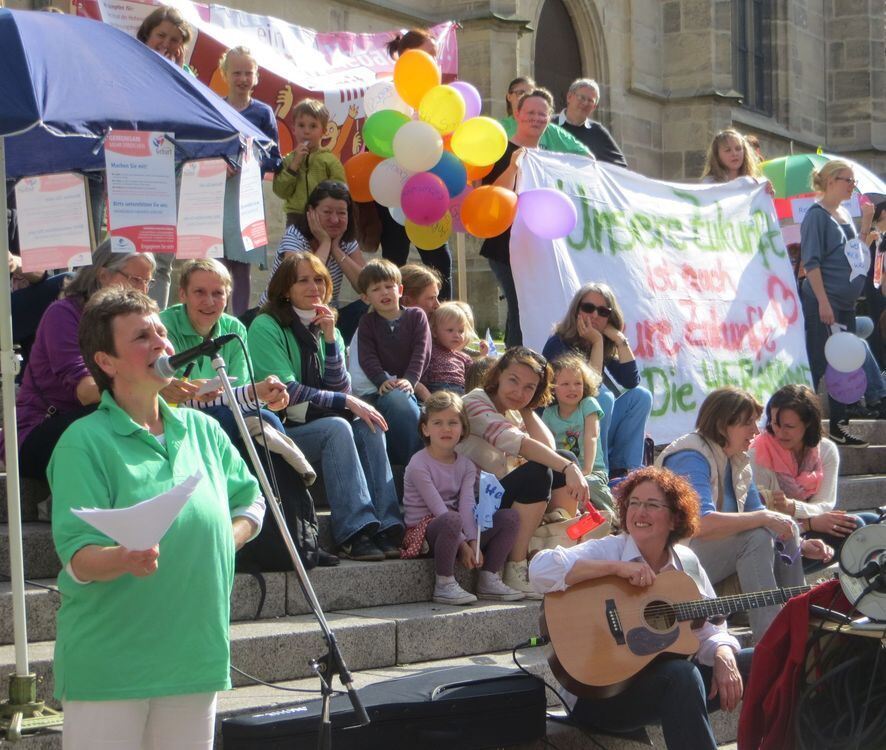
[(166, 634), (554, 138), (183, 336), (275, 351)]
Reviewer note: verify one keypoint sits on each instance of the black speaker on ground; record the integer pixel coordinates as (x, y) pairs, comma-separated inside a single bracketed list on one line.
[(468, 708)]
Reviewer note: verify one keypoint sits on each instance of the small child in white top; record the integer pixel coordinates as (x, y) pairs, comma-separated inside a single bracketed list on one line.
[(440, 483)]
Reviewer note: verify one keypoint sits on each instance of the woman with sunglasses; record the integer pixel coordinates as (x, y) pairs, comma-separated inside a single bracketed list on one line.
[(836, 262), (797, 469), (56, 386), (736, 533), (657, 509), (594, 328)]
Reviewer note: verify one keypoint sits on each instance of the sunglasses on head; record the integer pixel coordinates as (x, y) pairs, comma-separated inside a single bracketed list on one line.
[(601, 310)]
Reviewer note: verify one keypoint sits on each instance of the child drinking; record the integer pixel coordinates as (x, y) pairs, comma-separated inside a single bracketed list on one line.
[(306, 166), (451, 329), (575, 422), (438, 493)]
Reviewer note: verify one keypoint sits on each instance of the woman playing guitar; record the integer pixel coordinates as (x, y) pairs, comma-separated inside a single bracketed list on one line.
[(656, 509)]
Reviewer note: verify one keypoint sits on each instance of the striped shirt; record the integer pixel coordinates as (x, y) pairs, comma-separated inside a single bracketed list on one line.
[(496, 439), (294, 241)]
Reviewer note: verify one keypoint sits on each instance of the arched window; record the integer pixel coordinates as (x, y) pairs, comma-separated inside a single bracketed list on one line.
[(557, 54), (752, 53)]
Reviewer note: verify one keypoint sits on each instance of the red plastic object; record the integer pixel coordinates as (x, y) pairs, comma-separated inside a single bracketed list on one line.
[(589, 521)]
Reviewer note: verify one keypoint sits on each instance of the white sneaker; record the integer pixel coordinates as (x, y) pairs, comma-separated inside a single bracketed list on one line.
[(449, 592), (516, 575), (490, 586)]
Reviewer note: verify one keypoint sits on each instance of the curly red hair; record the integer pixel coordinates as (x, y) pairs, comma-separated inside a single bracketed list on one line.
[(679, 495)]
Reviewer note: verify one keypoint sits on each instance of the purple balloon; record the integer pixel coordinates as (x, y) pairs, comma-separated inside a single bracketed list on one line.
[(425, 199), (548, 213), (845, 387), (473, 103)]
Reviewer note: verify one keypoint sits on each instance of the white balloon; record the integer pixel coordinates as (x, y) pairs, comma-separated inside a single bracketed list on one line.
[(418, 146), (398, 215), (386, 182), (844, 351), (382, 95)]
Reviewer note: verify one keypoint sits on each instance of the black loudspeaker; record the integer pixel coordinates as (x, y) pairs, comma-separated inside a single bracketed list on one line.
[(452, 708)]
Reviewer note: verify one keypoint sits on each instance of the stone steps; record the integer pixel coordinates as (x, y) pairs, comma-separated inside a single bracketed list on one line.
[(350, 586), (280, 649)]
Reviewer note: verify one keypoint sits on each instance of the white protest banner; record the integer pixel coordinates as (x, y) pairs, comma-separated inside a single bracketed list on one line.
[(201, 205), (294, 61), (700, 271), (141, 191), (53, 221), (252, 205)]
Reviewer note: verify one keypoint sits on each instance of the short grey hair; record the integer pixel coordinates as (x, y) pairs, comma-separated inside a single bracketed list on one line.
[(87, 280), (580, 83)]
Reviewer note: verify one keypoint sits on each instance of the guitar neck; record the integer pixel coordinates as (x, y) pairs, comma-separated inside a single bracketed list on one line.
[(725, 605)]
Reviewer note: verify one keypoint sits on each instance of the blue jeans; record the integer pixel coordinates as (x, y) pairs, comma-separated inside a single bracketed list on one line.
[(401, 411), (623, 426), (876, 389), (356, 474), (505, 278), (817, 334), (672, 693)]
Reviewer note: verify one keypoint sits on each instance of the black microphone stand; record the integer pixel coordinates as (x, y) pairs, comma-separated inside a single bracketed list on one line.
[(332, 662)]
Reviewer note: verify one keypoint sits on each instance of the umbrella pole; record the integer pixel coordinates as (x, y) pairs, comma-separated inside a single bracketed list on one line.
[(22, 712)]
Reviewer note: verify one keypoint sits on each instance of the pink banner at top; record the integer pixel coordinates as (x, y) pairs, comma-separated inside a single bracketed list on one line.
[(295, 62)]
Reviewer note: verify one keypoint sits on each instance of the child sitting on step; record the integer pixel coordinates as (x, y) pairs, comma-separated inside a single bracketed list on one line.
[(438, 500)]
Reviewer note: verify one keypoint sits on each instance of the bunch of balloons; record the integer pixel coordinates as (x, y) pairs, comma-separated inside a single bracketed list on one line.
[(844, 377), (426, 141)]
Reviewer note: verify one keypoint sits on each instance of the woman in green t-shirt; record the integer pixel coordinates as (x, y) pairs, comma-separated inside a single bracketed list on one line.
[(142, 639)]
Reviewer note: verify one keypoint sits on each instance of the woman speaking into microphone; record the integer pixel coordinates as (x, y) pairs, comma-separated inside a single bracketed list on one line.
[(142, 639)]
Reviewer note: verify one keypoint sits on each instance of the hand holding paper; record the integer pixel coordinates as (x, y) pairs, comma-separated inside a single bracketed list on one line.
[(141, 526)]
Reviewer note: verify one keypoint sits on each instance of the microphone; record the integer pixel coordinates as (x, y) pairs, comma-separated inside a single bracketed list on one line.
[(166, 366)]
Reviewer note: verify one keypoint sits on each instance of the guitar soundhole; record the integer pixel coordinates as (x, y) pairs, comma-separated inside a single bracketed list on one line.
[(659, 616)]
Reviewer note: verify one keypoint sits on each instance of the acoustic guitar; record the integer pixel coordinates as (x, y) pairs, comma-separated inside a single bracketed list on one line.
[(603, 632)]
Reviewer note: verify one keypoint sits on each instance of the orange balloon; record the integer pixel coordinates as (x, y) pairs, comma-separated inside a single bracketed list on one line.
[(489, 211), (415, 73), (357, 171), (477, 173), (447, 142)]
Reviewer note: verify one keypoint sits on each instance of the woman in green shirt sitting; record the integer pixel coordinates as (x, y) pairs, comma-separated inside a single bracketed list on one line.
[(142, 641)]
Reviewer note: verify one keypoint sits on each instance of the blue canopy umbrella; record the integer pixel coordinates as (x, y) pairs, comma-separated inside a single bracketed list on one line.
[(64, 82)]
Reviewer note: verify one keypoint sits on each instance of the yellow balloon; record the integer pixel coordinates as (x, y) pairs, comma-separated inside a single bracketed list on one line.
[(479, 141), (415, 73), (430, 237), (443, 108)]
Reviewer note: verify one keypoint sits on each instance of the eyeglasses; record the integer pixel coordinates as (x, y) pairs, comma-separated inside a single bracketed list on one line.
[(137, 280), (601, 310), (850, 180), (648, 505), (780, 550), (519, 92), (586, 99)]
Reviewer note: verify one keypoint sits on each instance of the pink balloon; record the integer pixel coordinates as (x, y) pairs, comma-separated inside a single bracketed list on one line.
[(473, 103), (425, 199), (455, 209)]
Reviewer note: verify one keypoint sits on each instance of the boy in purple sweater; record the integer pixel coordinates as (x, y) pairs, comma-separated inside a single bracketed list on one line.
[(394, 349)]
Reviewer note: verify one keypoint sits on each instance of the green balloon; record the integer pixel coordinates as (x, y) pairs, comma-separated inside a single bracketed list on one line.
[(379, 131)]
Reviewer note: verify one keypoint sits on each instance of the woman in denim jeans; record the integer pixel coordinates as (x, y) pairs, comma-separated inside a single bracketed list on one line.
[(294, 337), (594, 328)]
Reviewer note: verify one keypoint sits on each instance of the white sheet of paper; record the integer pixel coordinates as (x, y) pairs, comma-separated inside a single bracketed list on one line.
[(141, 526), (211, 385)]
